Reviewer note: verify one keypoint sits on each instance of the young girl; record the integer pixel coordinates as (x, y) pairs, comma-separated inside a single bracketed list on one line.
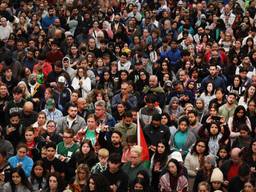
[(236, 86), (54, 183), (222, 155), (38, 176), (18, 182), (208, 94), (217, 180), (244, 139), (199, 107)]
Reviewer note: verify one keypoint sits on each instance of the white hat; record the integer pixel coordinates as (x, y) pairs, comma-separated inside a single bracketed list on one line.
[(217, 175), (61, 79), (177, 155)]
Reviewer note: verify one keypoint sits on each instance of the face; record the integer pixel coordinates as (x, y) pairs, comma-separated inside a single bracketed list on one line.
[(248, 187), (67, 138), (214, 129), (85, 148), (91, 185), (14, 120), (38, 170), (29, 136), (251, 91), (203, 188), (47, 95), (50, 153), (199, 104), (231, 99), (153, 82), (164, 120), (200, 147), (17, 96), (192, 118), (128, 121), (172, 168), (124, 88), (155, 123), (74, 97), (41, 119), (91, 123), (213, 70), (99, 111), (216, 185), (120, 108), (16, 178), (251, 106), (3, 90), (72, 112), (22, 152), (113, 167), (160, 148), (115, 138), (223, 153), (240, 113), (134, 158), (209, 87), (53, 183), (51, 128), (138, 186), (219, 94), (183, 126)]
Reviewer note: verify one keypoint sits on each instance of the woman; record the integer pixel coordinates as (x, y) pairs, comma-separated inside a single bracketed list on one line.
[(174, 109), (236, 86), (219, 99), (203, 187), (21, 159), (142, 81), (239, 118), (249, 187), (85, 155), (81, 82), (40, 125), (140, 184), (195, 159), (106, 83), (18, 182), (54, 183), (208, 94), (81, 178), (38, 177), (90, 132), (183, 138), (249, 157), (173, 180), (96, 95), (251, 114), (250, 93), (25, 92), (205, 172), (97, 183), (158, 163)]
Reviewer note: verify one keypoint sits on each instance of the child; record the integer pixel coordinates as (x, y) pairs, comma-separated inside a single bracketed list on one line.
[(14, 129), (223, 155), (244, 139), (101, 166), (217, 180)]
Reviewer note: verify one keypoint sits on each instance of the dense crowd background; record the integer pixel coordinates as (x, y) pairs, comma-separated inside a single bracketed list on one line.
[(78, 77)]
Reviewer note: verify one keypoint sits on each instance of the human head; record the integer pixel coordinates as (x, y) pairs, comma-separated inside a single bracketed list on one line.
[(100, 108), (114, 162), (135, 156), (72, 111), (22, 150), (103, 155)]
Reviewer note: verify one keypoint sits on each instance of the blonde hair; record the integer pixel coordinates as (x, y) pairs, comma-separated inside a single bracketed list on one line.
[(103, 152), (136, 149)]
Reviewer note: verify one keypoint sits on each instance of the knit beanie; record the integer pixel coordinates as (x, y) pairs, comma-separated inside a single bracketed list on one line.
[(217, 175)]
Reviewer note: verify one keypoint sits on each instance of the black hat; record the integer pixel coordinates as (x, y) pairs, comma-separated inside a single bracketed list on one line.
[(156, 117)]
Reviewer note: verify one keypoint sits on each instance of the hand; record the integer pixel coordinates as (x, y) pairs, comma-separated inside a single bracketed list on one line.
[(53, 84), (253, 170), (80, 82), (113, 188), (226, 182), (9, 130), (2, 177), (36, 100), (157, 166), (62, 158), (152, 148), (19, 164)]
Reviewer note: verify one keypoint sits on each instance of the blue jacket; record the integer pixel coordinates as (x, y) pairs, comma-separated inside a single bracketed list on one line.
[(173, 55), (27, 163), (218, 82)]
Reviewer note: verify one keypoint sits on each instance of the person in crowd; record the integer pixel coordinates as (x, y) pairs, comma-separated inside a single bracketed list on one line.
[(38, 176), (101, 166)]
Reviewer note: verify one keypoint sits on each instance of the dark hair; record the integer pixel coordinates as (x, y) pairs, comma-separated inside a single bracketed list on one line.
[(114, 158), (142, 182), (69, 131), (101, 183), (117, 132), (34, 178), (59, 181), (213, 88), (162, 158), (127, 114), (87, 141), (17, 90), (246, 93), (50, 145), (193, 150), (185, 119), (238, 121), (194, 112), (179, 168), (24, 179)]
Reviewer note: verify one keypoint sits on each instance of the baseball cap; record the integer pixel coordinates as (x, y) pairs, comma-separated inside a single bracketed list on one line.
[(61, 79)]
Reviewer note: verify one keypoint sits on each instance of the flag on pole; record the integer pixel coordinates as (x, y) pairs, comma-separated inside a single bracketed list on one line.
[(141, 141)]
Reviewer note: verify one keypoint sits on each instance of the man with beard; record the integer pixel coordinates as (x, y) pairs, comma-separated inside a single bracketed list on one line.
[(111, 140), (49, 19), (194, 124), (227, 110), (28, 115), (71, 121), (81, 107), (156, 132)]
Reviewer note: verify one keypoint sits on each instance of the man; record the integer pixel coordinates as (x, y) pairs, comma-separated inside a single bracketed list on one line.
[(5, 29), (173, 55), (48, 20), (194, 124), (126, 127), (51, 163), (50, 110), (218, 81), (156, 132), (227, 16), (227, 110), (230, 168), (155, 89), (28, 115), (71, 121), (55, 53), (67, 147), (124, 97), (66, 67), (62, 93), (117, 179), (111, 141), (104, 118), (81, 107), (123, 63)]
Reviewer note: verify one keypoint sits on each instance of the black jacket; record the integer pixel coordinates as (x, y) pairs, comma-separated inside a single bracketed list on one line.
[(120, 179)]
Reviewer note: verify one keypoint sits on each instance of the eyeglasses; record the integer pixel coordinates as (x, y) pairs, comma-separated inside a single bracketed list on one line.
[(67, 137)]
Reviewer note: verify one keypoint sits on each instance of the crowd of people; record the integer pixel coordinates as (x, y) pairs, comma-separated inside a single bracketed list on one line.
[(80, 78)]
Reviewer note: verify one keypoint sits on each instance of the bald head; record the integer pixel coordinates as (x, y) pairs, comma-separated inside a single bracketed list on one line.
[(28, 107), (235, 155), (81, 103)]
